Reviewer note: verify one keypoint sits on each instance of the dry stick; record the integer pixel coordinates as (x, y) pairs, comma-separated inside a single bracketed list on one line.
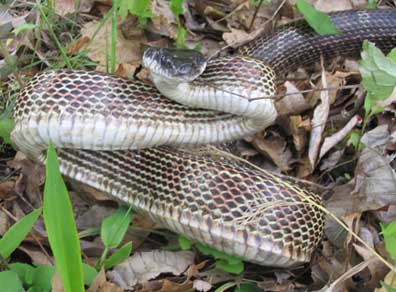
[(312, 202), (279, 96)]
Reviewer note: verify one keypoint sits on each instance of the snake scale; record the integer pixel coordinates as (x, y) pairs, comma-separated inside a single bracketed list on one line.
[(100, 123)]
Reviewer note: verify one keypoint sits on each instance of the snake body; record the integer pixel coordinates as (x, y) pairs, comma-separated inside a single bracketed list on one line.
[(96, 120)]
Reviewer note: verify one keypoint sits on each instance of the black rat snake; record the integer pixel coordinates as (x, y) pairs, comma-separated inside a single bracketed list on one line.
[(224, 203)]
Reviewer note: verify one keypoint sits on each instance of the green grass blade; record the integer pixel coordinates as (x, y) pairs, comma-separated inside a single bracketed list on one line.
[(17, 233), (119, 256), (61, 227), (318, 20)]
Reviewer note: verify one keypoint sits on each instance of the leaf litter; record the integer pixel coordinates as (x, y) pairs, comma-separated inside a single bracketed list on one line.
[(311, 140)]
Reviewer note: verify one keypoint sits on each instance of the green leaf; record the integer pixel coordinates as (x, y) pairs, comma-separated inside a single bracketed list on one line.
[(225, 262), (354, 139), (372, 4), (17, 233), (114, 227), (61, 227), (378, 74), (319, 21), (140, 8), (42, 277), (24, 27), (25, 272), (119, 256), (6, 127), (247, 287), (185, 243), (176, 7), (89, 274), (234, 268), (389, 232), (10, 282)]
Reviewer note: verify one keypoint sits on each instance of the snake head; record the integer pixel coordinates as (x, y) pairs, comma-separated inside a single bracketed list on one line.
[(181, 65)]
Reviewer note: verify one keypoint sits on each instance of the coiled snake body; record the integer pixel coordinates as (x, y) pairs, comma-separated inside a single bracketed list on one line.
[(97, 121)]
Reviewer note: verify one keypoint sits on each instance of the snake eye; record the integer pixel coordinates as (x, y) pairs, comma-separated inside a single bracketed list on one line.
[(184, 69)]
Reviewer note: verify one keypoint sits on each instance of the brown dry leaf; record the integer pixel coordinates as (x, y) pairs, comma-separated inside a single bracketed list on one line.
[(275, 147), (93, 217), (389, 280), (127, 51), (275, 286), (333, 80), (378, 136), (319, 120), (293, 103), (329, 6), (31, 178), (375, 179), (330, 161), (333, 140), (387, 216), (236, 37), (169, 286), (77, 45), (163, 21), (200, 285), (377, 268), (100, 284), (374, 184), (7, 189), (144, 266), (339, 284), (63, 7), (36, 254), (298, 128)]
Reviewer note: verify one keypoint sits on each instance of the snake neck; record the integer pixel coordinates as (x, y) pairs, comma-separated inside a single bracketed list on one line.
[(249, 96)]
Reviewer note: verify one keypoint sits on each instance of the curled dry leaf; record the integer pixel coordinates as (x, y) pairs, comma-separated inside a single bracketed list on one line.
[(144, 266), (377, 268), (298, 128), (200, 285), (339, 284), (100, 284), (333, 140), (378, 136), (31, 178), (319, 120), (276, 148), (332, 160), (293, 103)]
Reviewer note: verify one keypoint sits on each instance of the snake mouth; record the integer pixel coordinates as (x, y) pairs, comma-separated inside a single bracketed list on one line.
[(174, 64)]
